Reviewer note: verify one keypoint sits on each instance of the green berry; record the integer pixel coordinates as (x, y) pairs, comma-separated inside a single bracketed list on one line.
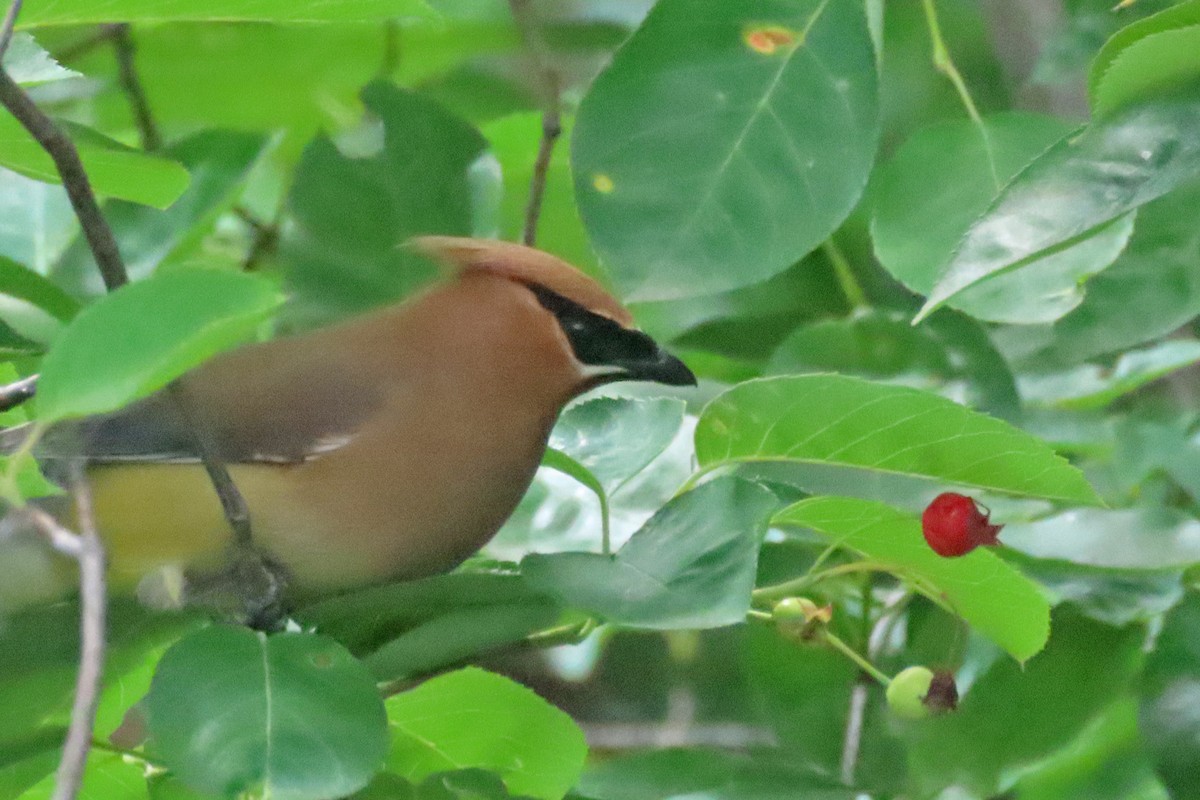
[(906, 693)]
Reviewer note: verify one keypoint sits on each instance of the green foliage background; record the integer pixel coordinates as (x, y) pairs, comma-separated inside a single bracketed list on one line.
[(908, 247)]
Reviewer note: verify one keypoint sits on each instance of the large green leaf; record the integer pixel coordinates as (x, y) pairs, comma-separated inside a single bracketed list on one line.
[(290, 716), (29, 65), (112, 168), (24, 284), (691, 566), (943, 179), (107, 775), (217, 161), (725, 141), (352, 214), (1160, 62), (139, 338), (840, 421), (77, 12), (1111, 167), (1108, 91), (475, 719), (993, 597)]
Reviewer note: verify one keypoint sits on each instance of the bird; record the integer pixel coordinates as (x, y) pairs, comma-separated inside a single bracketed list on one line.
[(389, 446)]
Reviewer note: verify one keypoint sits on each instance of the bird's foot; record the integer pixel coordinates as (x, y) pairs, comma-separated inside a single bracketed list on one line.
[(250, 589)]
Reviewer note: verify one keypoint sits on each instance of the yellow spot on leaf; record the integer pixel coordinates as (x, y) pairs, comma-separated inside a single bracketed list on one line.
[(770, 39), (603, 183)]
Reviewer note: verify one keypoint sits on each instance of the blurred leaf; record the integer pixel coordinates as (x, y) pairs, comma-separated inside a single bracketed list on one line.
[(217, 161), (1151, 290), (458, 635), (354, 213), (1093, 386), (475, 719), (725, 142), (1109, 88), (616, 438), (309, 722), (1144, 537), (1080, 33), (112, 168), (18, 281), (139, 338), (1169, 717), (1110, 595), (36, 221), (1148, 67), (1111, 167), (847, 422), (691, 566), (75, 12), (949, 353), (29, 65), (677, 774), (942, 180), (24, 764), (1084, 666), (994, 598), (108, 775)]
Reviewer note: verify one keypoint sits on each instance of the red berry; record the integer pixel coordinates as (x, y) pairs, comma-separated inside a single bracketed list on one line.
[(954, 526)]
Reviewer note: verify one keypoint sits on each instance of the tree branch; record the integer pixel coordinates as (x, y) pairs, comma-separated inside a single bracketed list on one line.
[(124, 47), (88, 552), (17, 392), (551, 115), (6, 27)]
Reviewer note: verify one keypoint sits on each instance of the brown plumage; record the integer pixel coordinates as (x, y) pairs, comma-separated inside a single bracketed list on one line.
[(392, 445)]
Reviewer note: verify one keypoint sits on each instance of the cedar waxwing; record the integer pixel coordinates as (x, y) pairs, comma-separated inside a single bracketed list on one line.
[(393, 445)]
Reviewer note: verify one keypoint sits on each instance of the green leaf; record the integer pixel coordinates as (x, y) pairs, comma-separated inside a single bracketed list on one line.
[(218, 162), (306, 721), (1178, 16), (352, 214), (475, 719), (112, 168), (840, 421), (1093, 386), (1084, 666), (950, 354), (1109, 595), (942, 179), (36, 221), (691, 566), (1160, 63), (139, 338), (993, 597), (1111, 167), (616, 438), (29, 65), (1144, 537), (710, 774), (18, 281), (77, 12), (108, 775), (1170, 708), (458, 635), (725, 141), (1152, 288)]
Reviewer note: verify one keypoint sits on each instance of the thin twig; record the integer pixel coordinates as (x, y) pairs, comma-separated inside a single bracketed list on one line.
[(6, 27), (74, 179), (88, 552), (551, 115), (124, 47), (852, 742), (17, 392)]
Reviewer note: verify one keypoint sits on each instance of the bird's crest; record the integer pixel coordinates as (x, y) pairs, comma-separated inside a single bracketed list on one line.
[(526, 265)]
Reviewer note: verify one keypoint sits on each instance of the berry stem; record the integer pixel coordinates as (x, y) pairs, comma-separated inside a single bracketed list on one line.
[(795, 585), (862, 663)]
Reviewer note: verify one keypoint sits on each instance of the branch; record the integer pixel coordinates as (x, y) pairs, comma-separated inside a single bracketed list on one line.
[(123, 45), (74, 179), (551, 115), (6, 27), (17, 392), (88, 552)]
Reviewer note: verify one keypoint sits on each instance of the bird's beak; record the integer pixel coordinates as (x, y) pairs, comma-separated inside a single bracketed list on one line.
[(662, 367)]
